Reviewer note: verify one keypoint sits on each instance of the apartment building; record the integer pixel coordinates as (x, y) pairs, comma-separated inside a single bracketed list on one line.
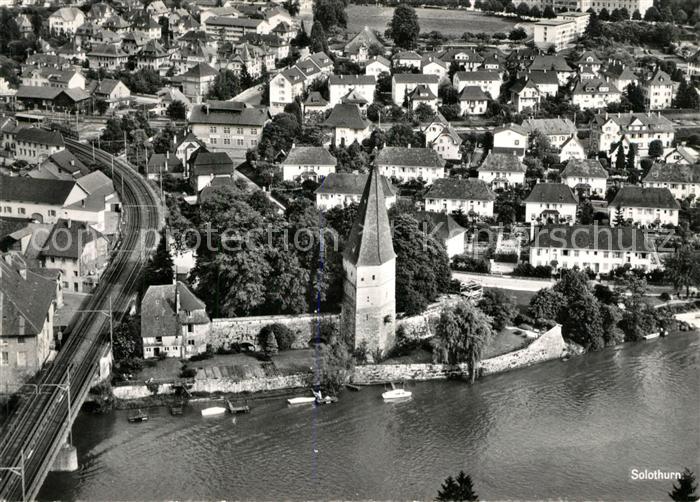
[(598, 248), (410, 163), (585, 176), (342, 189), (360, 86), (645, 206), (489, 81), (658, 90), (34, 145), (468, 195), (228, 126), (638, 129), (683, 180), (308, 162), (232, 29), (557, 33), (551, 203), (402, 84)]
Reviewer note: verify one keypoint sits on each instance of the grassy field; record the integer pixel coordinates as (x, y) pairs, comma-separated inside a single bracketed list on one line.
[(449, 22)]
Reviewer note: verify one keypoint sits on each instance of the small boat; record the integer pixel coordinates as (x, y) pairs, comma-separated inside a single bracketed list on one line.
[(396, 394), (213, 411), (651, 336), (321, 399), (139, 416), (235, 410), (301, 400), (355, 388)]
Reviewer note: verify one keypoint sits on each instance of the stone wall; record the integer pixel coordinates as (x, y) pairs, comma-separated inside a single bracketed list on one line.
[(549, 345), (239, 330)]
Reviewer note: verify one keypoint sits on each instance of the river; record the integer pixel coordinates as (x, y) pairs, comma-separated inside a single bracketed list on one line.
[(571, 429)]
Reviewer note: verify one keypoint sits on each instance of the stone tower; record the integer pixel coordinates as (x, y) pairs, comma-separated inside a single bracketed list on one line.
[(369, 262)]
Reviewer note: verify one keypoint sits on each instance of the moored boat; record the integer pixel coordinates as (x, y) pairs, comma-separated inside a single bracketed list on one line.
[(396, 394), (651, 336), (139, 416), (301, 400), (213, 411)]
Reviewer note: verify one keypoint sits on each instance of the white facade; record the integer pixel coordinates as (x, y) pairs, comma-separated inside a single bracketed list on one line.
[(598, 261), (326, 201), (483, 208), (646, 216), (401, 89), (292, 172), (489, 82), (534, 210), (555, 32), (66, 20), (341, 85)]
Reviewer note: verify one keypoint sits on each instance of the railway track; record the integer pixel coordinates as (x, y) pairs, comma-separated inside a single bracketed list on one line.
[(32, 437)]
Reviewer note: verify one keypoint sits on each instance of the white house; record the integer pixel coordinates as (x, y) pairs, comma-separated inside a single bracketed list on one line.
[(408, 58), (308, 162), (468, 195), (638, 129), (489, 81), (348, 124), (473, 100), (66, 20), (511, 139), (645, 206), (342, 189), (600, 249), (377, 65), (551, 203), (585, 175), (35, 145), (557, 130), (594, 94), (445, 228), (410, 163), (682, 180), (658, 91), (572, 149), (284, 88), (443, 138), (502, 170), (403, 83), (362, 87)]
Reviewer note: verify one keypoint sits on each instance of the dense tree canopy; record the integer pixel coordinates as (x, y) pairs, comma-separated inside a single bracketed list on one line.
[(404, 28), (226, 85)]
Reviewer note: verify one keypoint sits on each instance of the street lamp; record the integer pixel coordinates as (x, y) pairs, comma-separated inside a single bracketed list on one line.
[(18, 471)]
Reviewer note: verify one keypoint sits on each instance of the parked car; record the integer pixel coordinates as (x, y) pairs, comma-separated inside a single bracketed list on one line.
[(471, 290)]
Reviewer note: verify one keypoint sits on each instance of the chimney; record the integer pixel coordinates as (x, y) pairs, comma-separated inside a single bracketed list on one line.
[(72, 162), (177, 297), (70, 222), (21, 325)]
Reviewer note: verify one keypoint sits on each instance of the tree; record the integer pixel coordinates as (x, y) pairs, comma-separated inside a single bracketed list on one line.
[(126, 340), (510, 8), (422, 266), (635, 95), (291, 6), (680, 16), (547, 304), (549, 12), (403, 135), (279, 134), (517, 34), (636, 15), (684, 491), (652, 14), (583, 322), (225, 86), (682, 268), (403, 27), (457, 489), (499, 307), (319, 40), (630, 164), (330, 13), (656, 149), (177, 110), (535, 11), (687, 96), (604, 15), (523, 10), (424, 112), (539, 144), (461, 334), (620, 161)]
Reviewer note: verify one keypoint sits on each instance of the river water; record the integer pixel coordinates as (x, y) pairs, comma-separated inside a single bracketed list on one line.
[(571, 429)]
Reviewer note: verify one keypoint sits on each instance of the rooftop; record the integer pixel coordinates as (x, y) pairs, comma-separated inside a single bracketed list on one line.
[(460, 189)]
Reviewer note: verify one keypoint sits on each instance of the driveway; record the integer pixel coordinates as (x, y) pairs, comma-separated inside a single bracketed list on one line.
[(504, 282)]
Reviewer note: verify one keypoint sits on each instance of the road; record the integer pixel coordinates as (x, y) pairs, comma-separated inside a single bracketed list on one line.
[(504, 282), (33, 435)]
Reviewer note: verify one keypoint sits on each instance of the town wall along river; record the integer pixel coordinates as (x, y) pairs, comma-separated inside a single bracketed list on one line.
[(572, 429)]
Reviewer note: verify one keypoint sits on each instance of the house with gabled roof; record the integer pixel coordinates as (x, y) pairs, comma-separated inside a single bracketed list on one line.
[(107, 56), (66, 20), (112, 91), (377, 65), (587, 176), (547, 62), (285, 87), (348, 124), (649, 206), (525, 95), (473, 100), (174, 322), (502, 170), (186, 147), (161, 164), (571, 149), (598, 248), (488, 81), (443, 138), (658, 90), (197, 81), (362, 86), (557, 130), (34, 145), (683, 180), (682, 154), (432, 65), (343, 189), (410, 59), (410, 163), (315, 103), (511, 139), (466, 195), (79, 251), (467, 58), (589, 59), (545, 81), (308, 162), (422, 94), (402, 84), (357, 48), (62, 165), (620, 75), (445, 228), (638, 129), (594, 93), (551, 203), (154, 56), (209, 165), (29, 298)]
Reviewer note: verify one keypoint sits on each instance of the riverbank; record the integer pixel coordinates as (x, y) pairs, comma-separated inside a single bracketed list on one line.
[(548, 346)]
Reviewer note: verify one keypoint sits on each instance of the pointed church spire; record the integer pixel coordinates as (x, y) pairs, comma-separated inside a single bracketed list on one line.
[(370, 243)]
